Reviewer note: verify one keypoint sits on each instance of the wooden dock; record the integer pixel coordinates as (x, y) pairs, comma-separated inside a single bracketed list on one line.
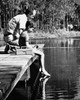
[(12, 69)]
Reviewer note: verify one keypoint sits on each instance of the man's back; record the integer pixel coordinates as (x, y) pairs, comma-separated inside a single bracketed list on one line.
[(17, 22)]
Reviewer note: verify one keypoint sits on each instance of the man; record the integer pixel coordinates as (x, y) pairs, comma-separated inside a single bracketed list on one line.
[(14, 29), (24, 41), (17, 35)]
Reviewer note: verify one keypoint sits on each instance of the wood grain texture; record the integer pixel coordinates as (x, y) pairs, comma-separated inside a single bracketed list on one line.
[(12, 68)]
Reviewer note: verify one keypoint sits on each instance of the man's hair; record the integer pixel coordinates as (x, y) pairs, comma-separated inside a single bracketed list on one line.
[(27, 11), (25, 7)]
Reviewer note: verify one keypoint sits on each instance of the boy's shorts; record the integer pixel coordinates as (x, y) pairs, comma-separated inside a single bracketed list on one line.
[(23, 39), (25, 35)]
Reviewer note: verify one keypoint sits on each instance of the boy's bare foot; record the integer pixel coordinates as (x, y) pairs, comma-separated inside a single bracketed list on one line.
[(45, 73)]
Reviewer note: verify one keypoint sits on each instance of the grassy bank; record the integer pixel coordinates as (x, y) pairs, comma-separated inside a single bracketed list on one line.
[(41, 34), (55, 34)]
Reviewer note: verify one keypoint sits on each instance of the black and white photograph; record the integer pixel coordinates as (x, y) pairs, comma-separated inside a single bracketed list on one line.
[(39, 49)]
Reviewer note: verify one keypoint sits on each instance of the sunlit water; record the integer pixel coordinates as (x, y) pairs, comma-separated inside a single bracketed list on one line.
[(62, 61)]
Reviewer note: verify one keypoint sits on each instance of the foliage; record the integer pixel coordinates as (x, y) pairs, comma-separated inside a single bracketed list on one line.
[(52, 12)]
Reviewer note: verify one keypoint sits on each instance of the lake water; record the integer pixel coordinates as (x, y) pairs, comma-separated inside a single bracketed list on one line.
[(62, 61)]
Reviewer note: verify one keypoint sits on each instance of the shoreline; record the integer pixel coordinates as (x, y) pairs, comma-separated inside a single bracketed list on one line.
[(56, 34)]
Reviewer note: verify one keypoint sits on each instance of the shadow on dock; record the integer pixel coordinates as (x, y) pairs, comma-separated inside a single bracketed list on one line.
[(2, 52), (26, 89)]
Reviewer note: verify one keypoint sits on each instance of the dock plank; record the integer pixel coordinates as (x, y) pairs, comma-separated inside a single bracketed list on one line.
[(12, 68)]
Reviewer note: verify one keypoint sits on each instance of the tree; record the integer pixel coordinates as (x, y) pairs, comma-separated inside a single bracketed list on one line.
[(52, 12)]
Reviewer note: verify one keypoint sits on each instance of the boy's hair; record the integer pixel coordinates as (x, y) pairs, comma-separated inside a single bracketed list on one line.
[(29, 25)]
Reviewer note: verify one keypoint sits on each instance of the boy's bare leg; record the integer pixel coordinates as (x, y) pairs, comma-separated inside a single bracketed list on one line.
[(36, 51)]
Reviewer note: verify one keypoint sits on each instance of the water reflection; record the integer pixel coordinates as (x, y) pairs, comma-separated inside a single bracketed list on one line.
[(37, 92), (62, 61), (44, 88)]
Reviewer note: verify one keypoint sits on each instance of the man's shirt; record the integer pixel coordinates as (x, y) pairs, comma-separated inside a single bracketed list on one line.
[(16, 23)]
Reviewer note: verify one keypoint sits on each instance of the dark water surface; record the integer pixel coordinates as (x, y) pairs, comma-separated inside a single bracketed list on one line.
[(62, 61)]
